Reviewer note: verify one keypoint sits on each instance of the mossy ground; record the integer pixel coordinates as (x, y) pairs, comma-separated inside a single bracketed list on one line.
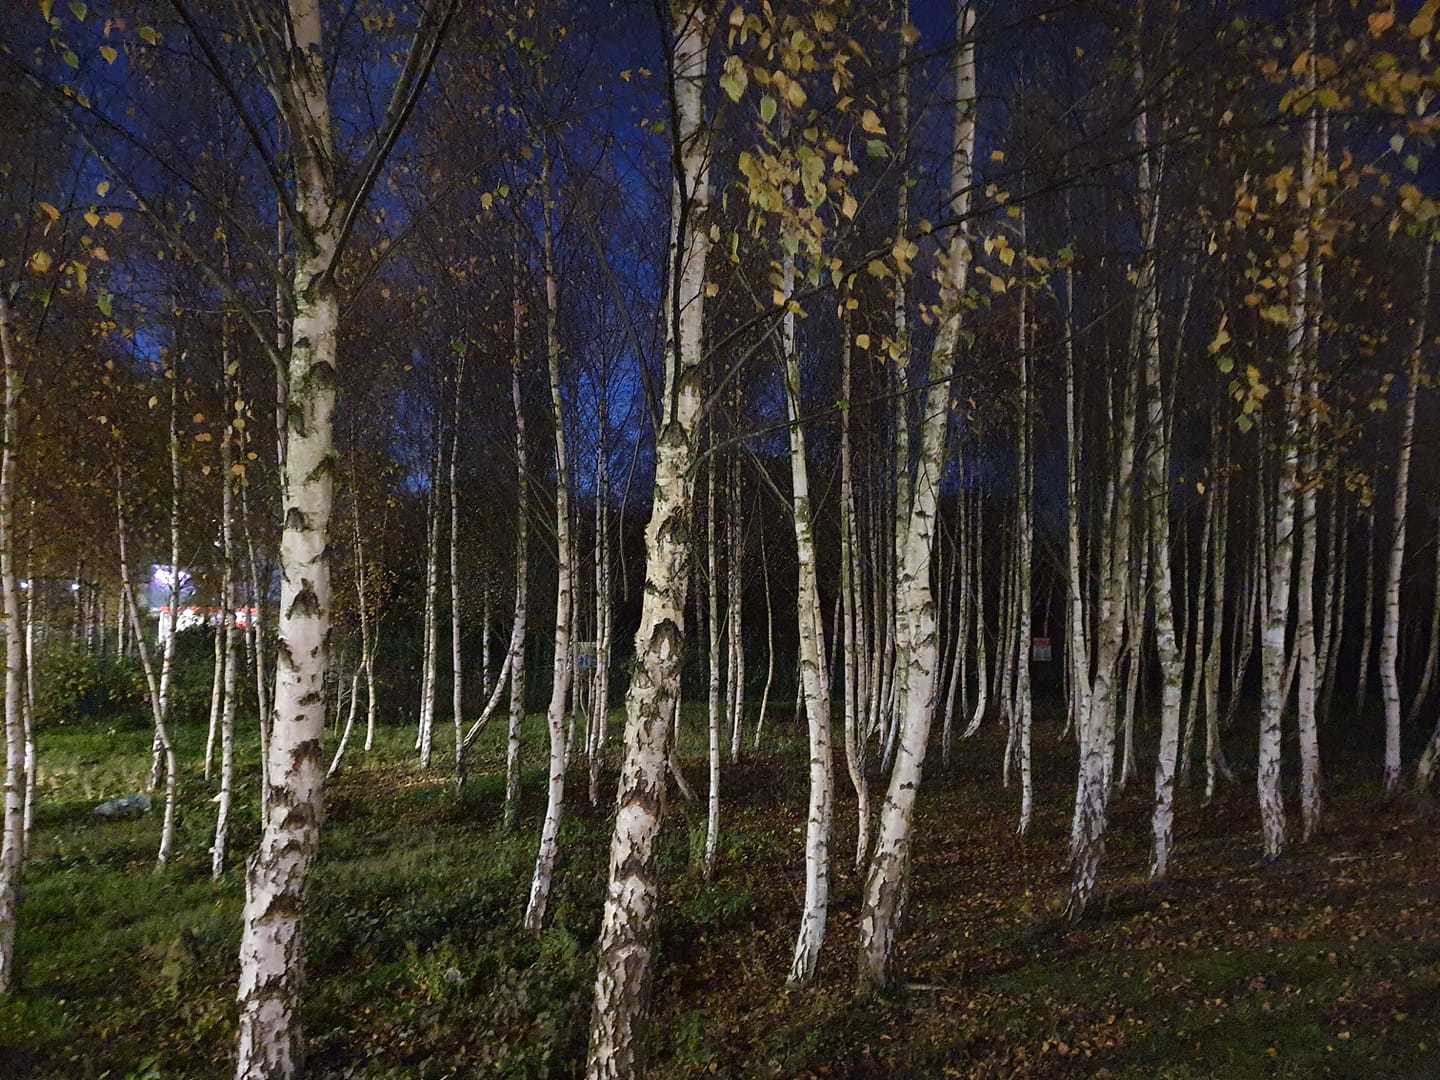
[(1324, 965)]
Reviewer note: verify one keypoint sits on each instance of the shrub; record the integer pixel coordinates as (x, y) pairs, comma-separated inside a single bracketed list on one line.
[(77, 688)]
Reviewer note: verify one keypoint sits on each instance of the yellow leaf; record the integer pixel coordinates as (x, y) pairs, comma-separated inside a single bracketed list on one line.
[(778, 298), (862, 341), (997, 155), (1007, 256), (148, 35), (1424, 21), (1275, 313), (108, 54), (91, 218), (997, 283), (910, 34), (1221, 339), (712, 289), (848, 206), (1381, 21), (114, 219), (45, 6), (99, 254), (154, 401), (795, 95), (102, 188), (41, 261), (487, 200), (50, 211), (870, 121)]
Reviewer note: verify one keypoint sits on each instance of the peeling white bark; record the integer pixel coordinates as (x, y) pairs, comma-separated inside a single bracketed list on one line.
[(627, 928)]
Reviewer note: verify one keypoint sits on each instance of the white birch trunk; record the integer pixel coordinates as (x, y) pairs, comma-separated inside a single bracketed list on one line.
[(227, 590), (1367, 633), (12, 839), (1024, 541), (1157, 493), (271, 948), (1390, 634), (564, 606), (811, 632), (1432, 652), (515, 654), (769, 644), (1310, 795), (712, 615), (131, 606), (457, 689), (257, 628), (982, 682), (885, 883), (854, 746), (217, 697), (1078, 647), (627, 928), (426, 734), (349, 725)]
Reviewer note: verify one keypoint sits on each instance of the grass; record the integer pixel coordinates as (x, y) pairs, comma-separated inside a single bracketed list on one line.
[(1325, 965)]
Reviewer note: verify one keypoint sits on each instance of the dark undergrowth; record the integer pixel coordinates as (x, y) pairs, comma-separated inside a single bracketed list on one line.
[(1326, 964)]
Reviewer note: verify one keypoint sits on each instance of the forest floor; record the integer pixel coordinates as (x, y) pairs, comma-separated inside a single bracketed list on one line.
[(1326, 964)]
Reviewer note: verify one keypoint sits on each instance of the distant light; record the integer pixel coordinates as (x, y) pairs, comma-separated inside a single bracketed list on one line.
[(25, 583), (74, 586), (167, 577)]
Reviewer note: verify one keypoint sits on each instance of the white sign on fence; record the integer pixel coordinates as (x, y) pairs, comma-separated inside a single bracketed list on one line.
[(1040, 650)]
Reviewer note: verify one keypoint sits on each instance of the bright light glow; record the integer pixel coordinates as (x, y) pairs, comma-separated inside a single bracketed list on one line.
[(165, 577)]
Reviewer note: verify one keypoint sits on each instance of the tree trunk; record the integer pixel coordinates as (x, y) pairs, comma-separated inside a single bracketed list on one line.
[(769, 643), (627, 928), (257, 627), (885, 883), (1390, 635), (12, 841), (349, 726), (1310, 796), (227, 590), (217, 697), (271, 949), (1157, 493), (712, 616), (811, 633), (515, 655), (1432, 652), (1024, 541), (132, 607), (457, 687), (854, 747), (564, 605), (429, 660)]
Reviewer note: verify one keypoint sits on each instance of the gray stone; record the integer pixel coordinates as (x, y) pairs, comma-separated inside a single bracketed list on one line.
[(124, 808)]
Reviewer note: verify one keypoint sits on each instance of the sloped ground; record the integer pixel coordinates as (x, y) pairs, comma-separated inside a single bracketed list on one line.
[(1325, 965)]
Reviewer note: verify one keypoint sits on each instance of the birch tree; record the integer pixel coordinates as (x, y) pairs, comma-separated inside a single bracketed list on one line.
[(564, 604), (1390, 632), (889, 867), (290, 41), (628, 922), (12, 841)]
